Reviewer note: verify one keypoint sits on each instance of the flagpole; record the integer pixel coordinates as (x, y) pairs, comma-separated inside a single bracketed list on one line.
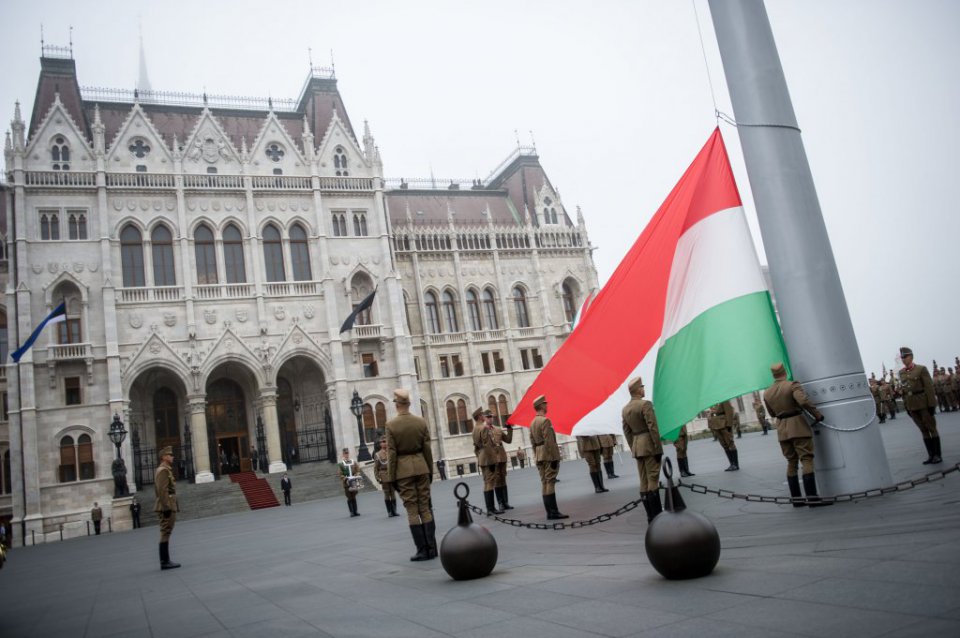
[(813, 310)]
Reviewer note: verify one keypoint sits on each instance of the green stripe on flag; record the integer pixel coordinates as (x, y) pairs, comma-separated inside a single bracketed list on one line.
[(723, 353)]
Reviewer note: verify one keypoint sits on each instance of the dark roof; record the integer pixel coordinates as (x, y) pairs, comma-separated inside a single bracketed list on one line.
[(468, 206)]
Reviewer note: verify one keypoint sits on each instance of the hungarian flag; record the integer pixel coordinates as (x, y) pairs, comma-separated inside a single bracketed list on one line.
[(691, 282)]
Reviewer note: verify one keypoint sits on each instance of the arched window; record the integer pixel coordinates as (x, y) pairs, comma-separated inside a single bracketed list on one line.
[(340, 162), (68, 460), (569, 302), (206, 255), (473, 309), (450, 311), (503, 410), (69, 329), (452, 423), (369, 424), (490, 310), (433, 313), (49, 225), (380, 412), (520, 307), (273, 254), (163, 272), (131, 257), (360, 288), (233, 262), (299, 254), (359, 225), (60, 154), (77, 225), (466, 423), (76, 461), (165, 417)]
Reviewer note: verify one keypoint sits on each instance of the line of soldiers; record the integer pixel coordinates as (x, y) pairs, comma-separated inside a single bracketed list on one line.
[(488, 440), (592, 449), (946, 385), (884, 398)]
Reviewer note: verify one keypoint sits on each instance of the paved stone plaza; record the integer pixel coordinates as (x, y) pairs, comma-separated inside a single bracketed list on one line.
[(886, 566)]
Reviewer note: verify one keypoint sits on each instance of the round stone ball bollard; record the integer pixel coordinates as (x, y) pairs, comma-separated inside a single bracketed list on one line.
[(468, 550), (681, 544)]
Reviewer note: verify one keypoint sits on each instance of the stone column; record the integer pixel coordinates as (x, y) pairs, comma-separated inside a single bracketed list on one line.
[(197, 407), (271, 427)]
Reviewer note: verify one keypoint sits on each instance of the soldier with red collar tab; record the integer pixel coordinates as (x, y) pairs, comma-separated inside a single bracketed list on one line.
[(920, 401)]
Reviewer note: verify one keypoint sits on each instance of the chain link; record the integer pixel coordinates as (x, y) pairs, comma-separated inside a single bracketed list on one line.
[(698, 488)]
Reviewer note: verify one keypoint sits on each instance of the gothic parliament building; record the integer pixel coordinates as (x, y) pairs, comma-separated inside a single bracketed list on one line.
[(208, 250)]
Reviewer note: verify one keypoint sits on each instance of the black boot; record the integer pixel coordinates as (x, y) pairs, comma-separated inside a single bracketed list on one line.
[(928, 443), (501, 494), (393, 507), (553, 512), (420, 540), (793, 482), (430, 536), (810, 487), (935, 443), (733, 465), (165, 562), (608, 466), (653, 498), (491, 506), (386, 503), (597, 479), (684, 468), (646, 505), (353, 508), (735, 455)]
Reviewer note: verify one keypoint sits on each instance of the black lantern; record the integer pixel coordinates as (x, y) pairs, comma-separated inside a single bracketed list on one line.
[(117, 434), (356, 406)]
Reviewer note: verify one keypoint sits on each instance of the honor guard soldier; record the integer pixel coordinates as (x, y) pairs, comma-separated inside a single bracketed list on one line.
[(886, 397), (879, 408), (920, 402), (96, 515), (350, 478), (380, 462), (786, 402), (546, 454), (607, 443), (643, 437), (165, 487), (720, 422), (681, 446), (500, 436), (952, 384), (589, 448), (484, 446), (410, 466), (761, 415)]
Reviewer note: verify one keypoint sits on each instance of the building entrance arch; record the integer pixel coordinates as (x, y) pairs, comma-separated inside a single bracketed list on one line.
[(227, 427)]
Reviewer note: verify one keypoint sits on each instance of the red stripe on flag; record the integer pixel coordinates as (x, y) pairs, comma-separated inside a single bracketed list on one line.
[(626, 317)]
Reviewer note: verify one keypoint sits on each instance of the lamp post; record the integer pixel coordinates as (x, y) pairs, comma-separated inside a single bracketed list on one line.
[(356, 406), (117, 434), (261, 445)]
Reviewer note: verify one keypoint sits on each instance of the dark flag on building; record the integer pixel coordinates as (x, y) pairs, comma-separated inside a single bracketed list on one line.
[(363, 305), (58, 315)]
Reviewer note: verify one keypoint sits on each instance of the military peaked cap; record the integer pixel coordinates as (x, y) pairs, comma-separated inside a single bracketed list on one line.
[(401, 396), (778, 370), (167, 451), (477, 414), (634, 384), (540, 400), (905, 351)]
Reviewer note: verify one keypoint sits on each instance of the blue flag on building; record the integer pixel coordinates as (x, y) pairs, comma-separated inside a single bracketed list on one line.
[(363, 305), (59, 314)]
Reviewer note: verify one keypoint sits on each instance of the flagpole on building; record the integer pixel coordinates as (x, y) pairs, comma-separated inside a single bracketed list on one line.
[(813, 311)]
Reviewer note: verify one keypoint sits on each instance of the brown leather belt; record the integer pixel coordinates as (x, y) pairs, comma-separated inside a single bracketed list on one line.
[(787, 415)]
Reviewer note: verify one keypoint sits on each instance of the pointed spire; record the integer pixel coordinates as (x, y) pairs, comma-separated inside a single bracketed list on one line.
[(307, 138), (7, 144), (99, 141), (16, 112), (369, 146), (143, 80), (176, 148), (18, 127), (580, 221)]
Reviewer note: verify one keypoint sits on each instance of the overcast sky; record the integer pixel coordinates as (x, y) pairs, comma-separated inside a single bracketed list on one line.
[(617, 96)]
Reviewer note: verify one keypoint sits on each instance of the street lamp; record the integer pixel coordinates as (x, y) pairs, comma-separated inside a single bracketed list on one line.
[(117, 434), (356, 406)]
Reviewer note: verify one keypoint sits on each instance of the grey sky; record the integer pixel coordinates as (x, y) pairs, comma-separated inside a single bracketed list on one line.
[(618, 100)]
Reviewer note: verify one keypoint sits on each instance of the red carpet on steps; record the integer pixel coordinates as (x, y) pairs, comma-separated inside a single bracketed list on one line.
[(255, 490)]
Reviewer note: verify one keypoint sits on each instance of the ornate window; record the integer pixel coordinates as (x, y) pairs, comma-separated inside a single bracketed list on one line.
[(69, 330), (340, 162), (450, 311), (273, 254), (549, 212), (339, 225), (466, 423), (163, 271), (299, 253), (360, 224), (569, 302), (131, 257), (433, 313), (49, 225), (275, 152), (60, 154), (498, 405), (473, 309), (520, 307), (206, 254), (452, 423), (490, 309), (76, 224), (233, 262), (76, 459), (139, 148)]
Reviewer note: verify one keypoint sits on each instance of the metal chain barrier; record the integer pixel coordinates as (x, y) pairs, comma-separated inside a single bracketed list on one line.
[(903, 486), (513, 522)]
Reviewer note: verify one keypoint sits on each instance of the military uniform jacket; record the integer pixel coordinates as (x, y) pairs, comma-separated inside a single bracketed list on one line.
[(408, 447), (886, 393), (544, 440), (588, 443), (166, 489), (875, 391), (347, 470), (608, 440), (485, 444), (381, 461), (758, 408), (721, 416), (640, 428), (916, 386), (786, 401), (501, 436), (96, 514)]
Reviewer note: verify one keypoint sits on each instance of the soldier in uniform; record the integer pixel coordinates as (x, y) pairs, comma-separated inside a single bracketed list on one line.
[(720, 422), (761, 415), (886, 398), (165, 487), (135, 512), (878, 406), (484, 446), (546, 454), (380, 462), (349, 469), (96, 515), (786, 402), (953, 386), (410, 463), (681, 446), (607, 443), (920, 402), (522, 457), (500, 436), (589, 448), (736, 424), (643, 437)]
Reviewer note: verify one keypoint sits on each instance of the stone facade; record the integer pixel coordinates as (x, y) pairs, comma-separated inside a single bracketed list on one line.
[(208, 251)]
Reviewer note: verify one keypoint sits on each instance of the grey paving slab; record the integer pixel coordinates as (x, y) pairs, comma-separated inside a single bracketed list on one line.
[(885, 566)]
